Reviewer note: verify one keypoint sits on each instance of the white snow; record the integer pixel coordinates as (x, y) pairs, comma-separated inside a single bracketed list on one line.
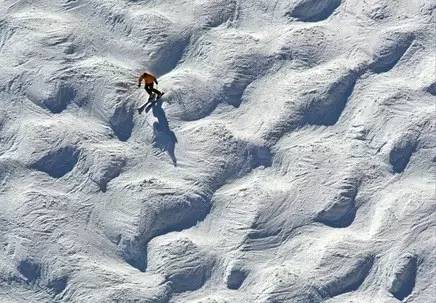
[(292, 158)]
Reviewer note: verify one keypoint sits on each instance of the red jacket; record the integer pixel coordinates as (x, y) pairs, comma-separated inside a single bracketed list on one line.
[(148, 79)]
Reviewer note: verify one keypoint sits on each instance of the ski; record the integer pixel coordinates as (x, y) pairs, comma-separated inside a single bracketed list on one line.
[(153, 102)]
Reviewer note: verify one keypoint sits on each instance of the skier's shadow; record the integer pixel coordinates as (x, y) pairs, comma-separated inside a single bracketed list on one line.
[(164, 137)]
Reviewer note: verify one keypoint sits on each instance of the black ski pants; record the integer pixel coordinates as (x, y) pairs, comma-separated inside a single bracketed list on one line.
[(150, 90)]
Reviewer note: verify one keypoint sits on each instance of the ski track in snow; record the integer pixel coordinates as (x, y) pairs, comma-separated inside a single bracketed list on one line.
[(292, 159)]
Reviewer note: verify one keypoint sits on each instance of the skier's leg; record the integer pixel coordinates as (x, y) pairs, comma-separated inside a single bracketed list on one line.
[(156, 91), (148, 89)]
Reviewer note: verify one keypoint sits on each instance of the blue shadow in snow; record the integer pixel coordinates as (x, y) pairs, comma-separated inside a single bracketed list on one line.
[(164, 137)]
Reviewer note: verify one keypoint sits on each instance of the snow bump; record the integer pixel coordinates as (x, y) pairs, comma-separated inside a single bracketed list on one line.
[(390, 48)]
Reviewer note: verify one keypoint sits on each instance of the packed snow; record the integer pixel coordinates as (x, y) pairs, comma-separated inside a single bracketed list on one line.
[(290, 160)]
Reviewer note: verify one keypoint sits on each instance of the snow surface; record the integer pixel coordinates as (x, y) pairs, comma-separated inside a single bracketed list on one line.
[(292, 159)]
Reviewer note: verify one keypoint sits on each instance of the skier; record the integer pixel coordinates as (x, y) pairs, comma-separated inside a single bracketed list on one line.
[(149, 81)]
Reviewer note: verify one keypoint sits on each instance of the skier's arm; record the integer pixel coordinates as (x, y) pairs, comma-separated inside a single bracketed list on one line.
[(140, 80)]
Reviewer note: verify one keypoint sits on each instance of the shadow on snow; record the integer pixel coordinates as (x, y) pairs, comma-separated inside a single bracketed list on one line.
[(164, 137)]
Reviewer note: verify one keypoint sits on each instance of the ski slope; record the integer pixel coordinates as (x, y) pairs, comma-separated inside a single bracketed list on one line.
[(291, 160)]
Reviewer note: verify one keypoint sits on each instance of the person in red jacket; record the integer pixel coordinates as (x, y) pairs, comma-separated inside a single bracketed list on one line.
[(149, 81)]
